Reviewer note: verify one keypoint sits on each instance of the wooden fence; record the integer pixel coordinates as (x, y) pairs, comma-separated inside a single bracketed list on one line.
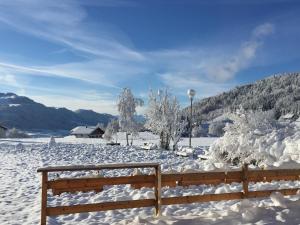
[(156, 180)]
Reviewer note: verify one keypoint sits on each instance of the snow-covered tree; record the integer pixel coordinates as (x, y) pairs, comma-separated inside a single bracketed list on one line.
[(216, 128), (178, 127), (127, 104), (243, 139), (280, 92), (164, 118), (111, 131)]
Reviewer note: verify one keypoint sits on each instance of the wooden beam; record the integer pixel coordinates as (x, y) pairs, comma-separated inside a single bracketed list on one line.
[(157, 191), (142, 185), (208, 178), (245, 180), (269, 179), (97, 167), (269, 175), (58, 191), (267, 193), (201, 198), (101, 181), (61, 210), (44, 198)]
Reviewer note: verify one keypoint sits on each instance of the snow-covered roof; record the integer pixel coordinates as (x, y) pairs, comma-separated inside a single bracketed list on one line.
[(3, 127), (288, 116), (83, 130)]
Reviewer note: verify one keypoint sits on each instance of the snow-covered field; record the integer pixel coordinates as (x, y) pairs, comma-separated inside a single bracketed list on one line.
[(20, 186)]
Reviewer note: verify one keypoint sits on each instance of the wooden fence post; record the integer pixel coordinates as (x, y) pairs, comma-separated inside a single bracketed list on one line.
[(44, 198), (245, 180), (158, 190)]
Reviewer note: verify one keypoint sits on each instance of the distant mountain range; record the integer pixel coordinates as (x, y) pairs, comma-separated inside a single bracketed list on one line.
[(23, 113), (280, 93)]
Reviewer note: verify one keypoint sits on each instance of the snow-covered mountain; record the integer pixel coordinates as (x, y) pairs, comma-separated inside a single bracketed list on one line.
[(279, 92), (23, 113)]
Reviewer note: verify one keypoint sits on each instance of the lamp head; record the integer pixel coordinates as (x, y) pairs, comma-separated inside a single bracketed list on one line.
[(191, 93)]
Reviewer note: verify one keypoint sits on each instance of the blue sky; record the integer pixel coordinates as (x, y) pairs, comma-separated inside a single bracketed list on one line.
[(80, 54)]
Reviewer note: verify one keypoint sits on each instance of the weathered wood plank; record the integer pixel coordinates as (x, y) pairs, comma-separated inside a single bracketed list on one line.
[(201, 198), (44, 198), (269, 175), (61, 210), (58, 191), (157, 191), (266, 193), (274, 178), (235, 176), (101, 181), (142, 185), (151, 185), (245, 180), (186, 179), (97, 167)]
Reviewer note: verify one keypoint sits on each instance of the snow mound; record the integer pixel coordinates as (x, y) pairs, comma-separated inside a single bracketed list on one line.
[(185, 151), (257, 138), (278, 199), (19, 147)]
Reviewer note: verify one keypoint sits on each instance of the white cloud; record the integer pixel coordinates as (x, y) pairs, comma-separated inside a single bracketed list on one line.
[(111, 60), (227, 67), (179, 83), (64, 22), (263, 30), (210, 72), (8, 79)]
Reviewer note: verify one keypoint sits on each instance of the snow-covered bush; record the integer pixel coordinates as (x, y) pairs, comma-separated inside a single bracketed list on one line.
[(15, 133), (127, 104), (164, 118), (111, 131), (216, 128), (254, 137)]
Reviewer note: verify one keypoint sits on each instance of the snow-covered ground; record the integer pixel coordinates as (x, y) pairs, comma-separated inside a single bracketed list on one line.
[(20, 186)]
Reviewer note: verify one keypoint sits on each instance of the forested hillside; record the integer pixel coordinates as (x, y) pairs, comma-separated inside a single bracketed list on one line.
[(279, 92)]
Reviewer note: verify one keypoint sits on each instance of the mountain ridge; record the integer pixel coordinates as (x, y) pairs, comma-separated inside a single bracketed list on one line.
[(23, 113)]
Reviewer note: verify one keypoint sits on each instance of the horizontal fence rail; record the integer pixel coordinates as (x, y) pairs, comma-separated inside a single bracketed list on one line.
[(156, 181)]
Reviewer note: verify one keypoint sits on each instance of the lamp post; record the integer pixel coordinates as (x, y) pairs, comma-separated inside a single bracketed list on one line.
[(191, 93)]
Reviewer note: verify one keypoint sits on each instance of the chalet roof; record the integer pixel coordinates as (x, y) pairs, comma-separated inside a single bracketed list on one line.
[(288, 116), (3, 127), (84, 129)]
